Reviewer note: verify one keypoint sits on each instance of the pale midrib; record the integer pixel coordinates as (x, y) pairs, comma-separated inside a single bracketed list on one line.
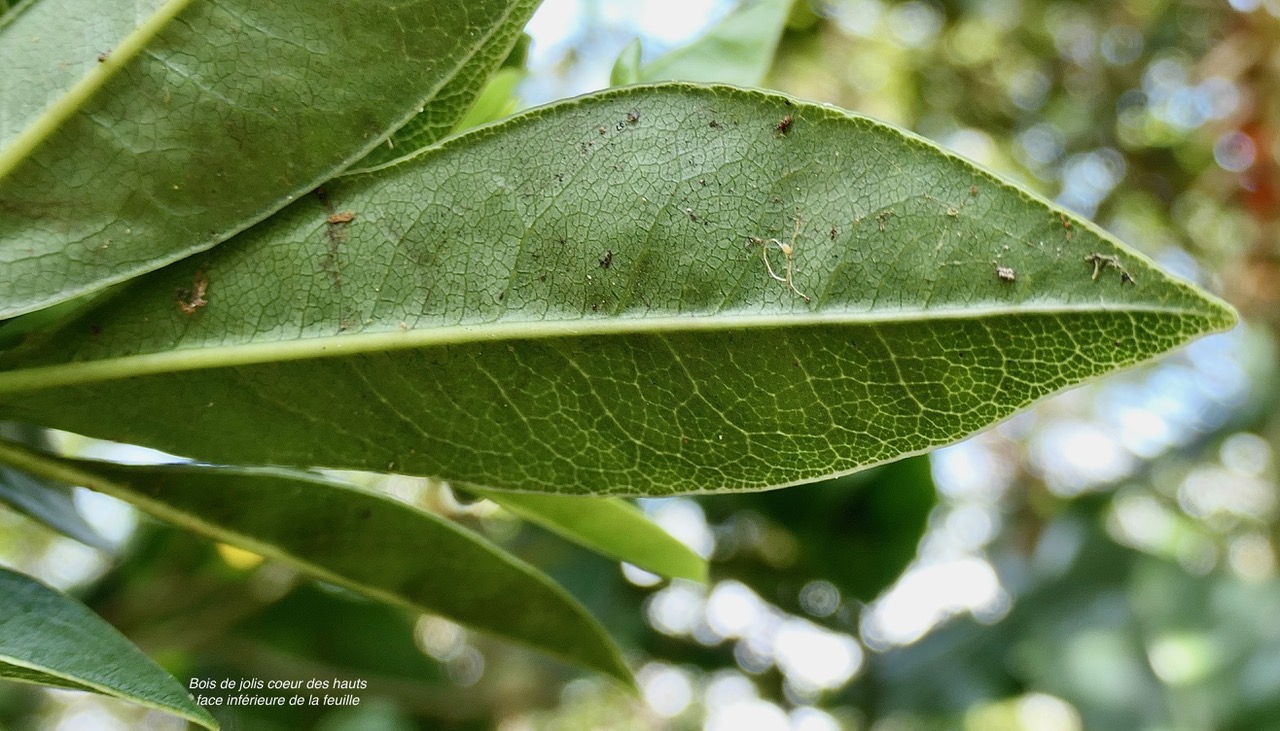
[(174, 361), (75, 97)]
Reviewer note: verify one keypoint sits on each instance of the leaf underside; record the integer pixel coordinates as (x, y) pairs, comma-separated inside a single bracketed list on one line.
[(50, 639), (364, 541), (128, 140), (580, 300)]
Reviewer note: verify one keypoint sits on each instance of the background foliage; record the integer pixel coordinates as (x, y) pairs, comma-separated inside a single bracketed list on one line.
[(1104, 561)]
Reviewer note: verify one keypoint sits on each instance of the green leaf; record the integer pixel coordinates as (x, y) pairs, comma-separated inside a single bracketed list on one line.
[(347, 536), (573, 301), (626, 70), (737, 50), (50, 503), (469, 93), (49, 638), (859, 532), (496, 101), (46, 501), (609, 526), (136, 134)]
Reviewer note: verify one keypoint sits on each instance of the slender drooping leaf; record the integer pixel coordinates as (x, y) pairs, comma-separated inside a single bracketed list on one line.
[(610, 526), (366, 542), (592, 298), (134, 134), (737, 50), (47, 501), (49, 638), (50, 503)]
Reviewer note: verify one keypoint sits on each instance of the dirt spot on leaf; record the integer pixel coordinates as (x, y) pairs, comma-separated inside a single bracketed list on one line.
[(190, 300)]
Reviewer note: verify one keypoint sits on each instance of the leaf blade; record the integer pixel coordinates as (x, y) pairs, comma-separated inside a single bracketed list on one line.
[(149, 154), (595, 324), (49, 638), (50, 504), (357, 539), (739, 49), (608, 526)]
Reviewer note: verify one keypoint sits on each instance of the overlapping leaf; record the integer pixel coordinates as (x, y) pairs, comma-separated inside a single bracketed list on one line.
[(135, 134), (739, 49), (51, 639), (361, 540), (609, 526), (583, 300)]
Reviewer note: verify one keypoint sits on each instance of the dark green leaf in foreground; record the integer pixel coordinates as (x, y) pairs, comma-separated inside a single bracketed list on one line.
[(610, 526), (342, 534), (51, 639), (135, 134), (580, 300)]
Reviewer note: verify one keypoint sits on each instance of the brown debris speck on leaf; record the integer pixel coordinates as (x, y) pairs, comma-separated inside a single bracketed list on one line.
[(633, 117), (606, 261), (784, 126), (342, 217), (190, 300)]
